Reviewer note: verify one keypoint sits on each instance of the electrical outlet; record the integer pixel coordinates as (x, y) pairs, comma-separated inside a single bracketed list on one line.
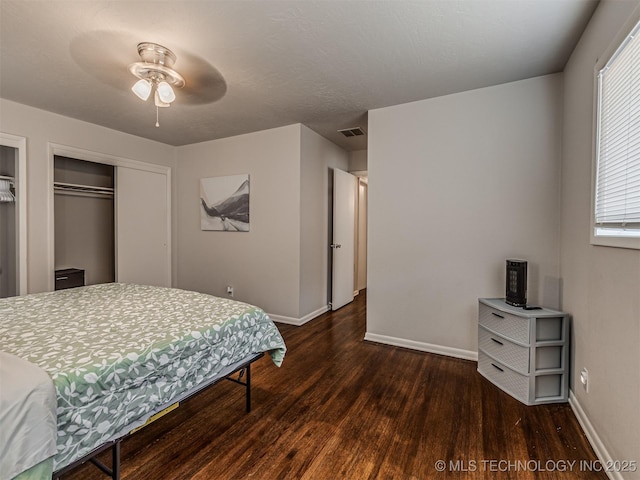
[(584, 379), (229, 290)]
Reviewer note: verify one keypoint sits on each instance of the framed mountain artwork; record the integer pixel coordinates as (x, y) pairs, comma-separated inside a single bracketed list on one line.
[(224, 203)]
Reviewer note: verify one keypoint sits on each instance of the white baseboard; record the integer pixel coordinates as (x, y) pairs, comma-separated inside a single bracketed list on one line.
[(597, 444), (299, 321), (421, 346)]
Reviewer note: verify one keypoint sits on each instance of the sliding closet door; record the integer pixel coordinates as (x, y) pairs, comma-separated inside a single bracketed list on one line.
[(142, 227)]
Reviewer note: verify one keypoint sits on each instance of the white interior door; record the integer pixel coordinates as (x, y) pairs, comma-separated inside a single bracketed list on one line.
[(142, 227), (343, 246)]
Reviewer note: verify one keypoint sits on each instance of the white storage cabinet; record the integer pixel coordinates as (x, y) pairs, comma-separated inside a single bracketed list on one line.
[(524, 352)]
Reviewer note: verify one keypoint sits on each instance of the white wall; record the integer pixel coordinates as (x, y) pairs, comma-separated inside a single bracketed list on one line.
[(263, 265), (41, 128), (358, 161), (318, 156), (458, 184), (601, 285)]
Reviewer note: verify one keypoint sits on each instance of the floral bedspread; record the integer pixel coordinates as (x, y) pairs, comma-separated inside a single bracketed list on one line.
[(118, 352)]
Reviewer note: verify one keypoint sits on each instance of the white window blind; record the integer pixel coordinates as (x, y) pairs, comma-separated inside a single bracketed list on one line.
[(617, 196)]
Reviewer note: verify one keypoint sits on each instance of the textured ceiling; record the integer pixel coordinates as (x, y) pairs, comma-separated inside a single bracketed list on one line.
[(253, 65)]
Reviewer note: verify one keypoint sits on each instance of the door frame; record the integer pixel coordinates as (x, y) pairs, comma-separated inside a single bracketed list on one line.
[(333, 235), (361, 236), (20, 144), (97, 157)]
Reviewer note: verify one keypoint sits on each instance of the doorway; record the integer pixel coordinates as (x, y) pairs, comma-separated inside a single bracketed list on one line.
[(347, 237), (13, 216), (343, 243), (361, 234), (84, 228), (8, 224)]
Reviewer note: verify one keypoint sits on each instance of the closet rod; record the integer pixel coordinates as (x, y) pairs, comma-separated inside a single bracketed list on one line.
[(76, 188), (8, 184)]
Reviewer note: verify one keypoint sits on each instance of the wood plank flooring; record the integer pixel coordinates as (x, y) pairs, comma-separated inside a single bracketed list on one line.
[(343, 408)]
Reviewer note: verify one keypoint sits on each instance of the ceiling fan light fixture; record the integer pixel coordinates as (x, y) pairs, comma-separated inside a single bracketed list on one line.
[(156, 75), (159, 102), (165, 92), (142, 89)]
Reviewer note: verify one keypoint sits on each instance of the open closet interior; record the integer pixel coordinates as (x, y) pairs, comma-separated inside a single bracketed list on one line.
[(8, 222), (84, 221)]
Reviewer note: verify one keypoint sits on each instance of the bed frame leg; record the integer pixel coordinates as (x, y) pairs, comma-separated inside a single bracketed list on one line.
[(246, 383), (114, 471), (115, 461), (248, 393)]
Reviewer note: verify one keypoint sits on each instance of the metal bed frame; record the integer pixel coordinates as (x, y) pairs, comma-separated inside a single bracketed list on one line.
[(243, 369)]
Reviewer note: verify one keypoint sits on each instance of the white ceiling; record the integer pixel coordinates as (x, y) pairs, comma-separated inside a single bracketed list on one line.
[(253, 65)]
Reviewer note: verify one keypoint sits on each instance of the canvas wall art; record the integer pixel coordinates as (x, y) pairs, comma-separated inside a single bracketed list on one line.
[(224, 203)]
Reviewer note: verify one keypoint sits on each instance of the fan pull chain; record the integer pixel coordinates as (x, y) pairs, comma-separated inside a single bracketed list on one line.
[(157, 123)]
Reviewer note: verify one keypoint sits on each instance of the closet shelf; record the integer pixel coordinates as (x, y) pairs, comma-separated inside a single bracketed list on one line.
[(75, 189), (7, 177)]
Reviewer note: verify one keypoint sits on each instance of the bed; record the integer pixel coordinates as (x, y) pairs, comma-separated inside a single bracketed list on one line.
[(118, 354)]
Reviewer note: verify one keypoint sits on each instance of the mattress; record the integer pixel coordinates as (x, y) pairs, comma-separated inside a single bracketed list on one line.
[(118, 352), (27, 416)]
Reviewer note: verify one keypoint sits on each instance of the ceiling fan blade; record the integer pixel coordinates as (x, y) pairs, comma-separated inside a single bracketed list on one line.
[(106, 56), (204, 83)]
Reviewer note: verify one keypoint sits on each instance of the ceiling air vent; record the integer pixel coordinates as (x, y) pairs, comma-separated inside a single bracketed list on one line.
[(352, 132)]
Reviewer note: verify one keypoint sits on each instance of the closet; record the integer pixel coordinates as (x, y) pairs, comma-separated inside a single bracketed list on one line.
[(84, 222), (8, 222), (112, 220)]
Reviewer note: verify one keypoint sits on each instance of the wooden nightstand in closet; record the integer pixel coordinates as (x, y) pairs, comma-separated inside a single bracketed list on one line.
[(69, 278)]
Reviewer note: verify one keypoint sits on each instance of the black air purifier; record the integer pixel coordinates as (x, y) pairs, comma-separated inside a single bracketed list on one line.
[(516, 283)]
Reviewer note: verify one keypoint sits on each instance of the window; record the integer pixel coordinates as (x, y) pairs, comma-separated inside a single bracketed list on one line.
[(617, 189)]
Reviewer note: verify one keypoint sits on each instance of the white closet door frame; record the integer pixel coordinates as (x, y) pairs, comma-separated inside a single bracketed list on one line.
[(89, 156), (20, 143)]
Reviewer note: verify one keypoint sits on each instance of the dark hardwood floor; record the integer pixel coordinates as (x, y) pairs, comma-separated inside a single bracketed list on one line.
[(343, 408)]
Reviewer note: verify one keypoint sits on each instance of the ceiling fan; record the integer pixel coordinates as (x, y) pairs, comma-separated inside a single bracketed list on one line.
[(106, 55), (155, 73)]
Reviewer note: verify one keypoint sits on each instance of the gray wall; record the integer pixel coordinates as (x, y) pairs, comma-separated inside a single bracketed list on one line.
[(84, 236), (318, 156), (358, 161), (458, 184), (601, 285), (280, 264), (263, 264)]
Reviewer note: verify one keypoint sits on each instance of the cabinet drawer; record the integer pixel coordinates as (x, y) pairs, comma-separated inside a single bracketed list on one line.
[(510, 326), (500, 375), (69, 278), (515, 356)]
